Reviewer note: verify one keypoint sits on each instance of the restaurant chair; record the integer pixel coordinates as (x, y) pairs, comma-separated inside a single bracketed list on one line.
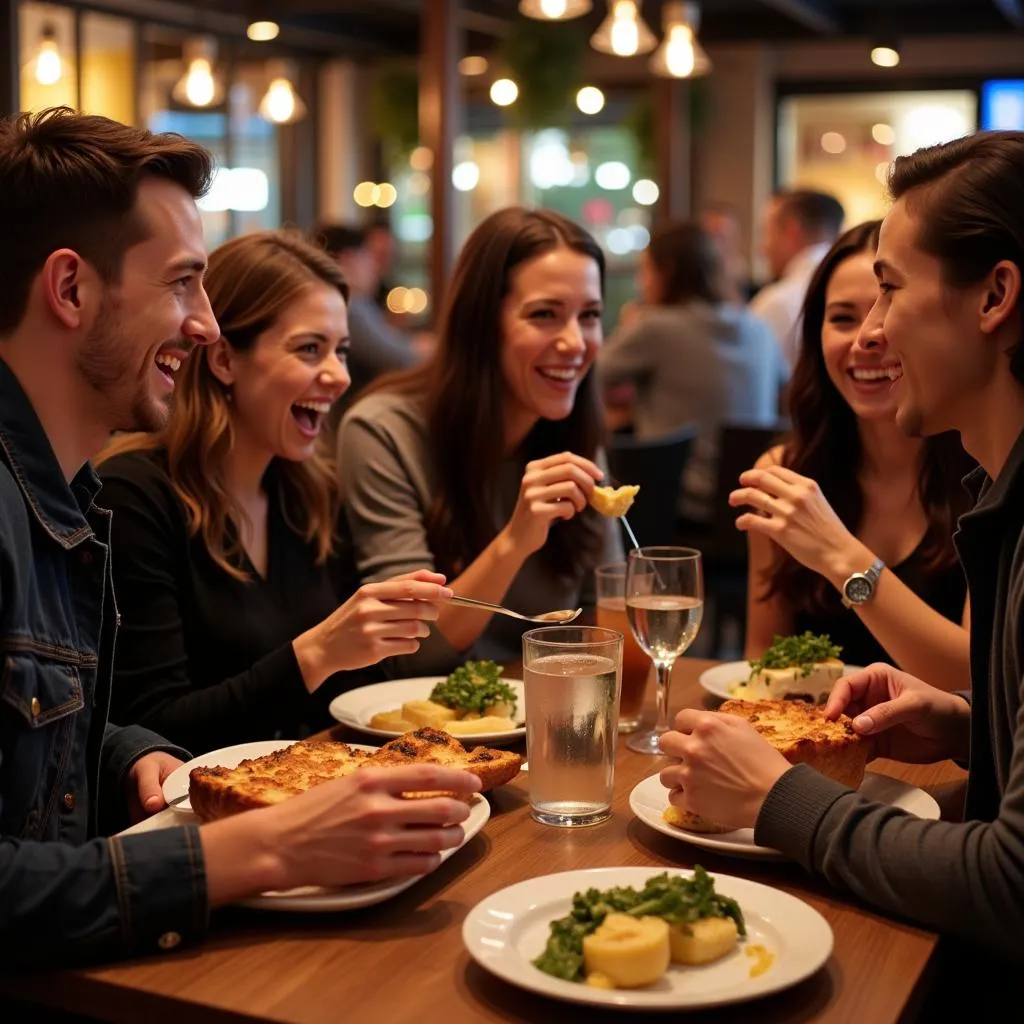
[(656, 465)]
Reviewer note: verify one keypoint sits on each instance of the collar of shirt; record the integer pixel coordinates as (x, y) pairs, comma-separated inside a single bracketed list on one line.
[(59, 507)]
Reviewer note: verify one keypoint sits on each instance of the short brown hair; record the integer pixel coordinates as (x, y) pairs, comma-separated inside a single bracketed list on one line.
[(820, 214), (968, 196), (70, 180), (688, 262)]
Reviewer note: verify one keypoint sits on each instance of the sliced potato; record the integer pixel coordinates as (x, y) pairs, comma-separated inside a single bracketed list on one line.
[(501, 709), (426, 712), (629, 951), (473, 726), (392, 721), (613, 501), (705, 940)]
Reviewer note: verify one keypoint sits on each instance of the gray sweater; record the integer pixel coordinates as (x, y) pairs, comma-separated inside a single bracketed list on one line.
[(965, 880), (388, 484), (697, 363)]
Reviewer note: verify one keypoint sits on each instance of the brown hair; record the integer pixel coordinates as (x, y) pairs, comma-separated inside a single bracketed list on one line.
[(688, 262), (818, 213), (824, 445), (463, 392), (251, 281), (968, 196), (70, 180)]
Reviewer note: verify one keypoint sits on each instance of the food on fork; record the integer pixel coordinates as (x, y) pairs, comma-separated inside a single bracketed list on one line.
[(614, 501), (626, 938), (472, 700), (262, 781), (794, 668), (803, 735)]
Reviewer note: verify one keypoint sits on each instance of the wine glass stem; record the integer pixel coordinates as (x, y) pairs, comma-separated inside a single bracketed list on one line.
[(663, 671)]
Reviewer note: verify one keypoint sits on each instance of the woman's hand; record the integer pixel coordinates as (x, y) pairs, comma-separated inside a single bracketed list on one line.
[(380, 620), (905, 719), (554, 488), (724, 767), (791, 510)]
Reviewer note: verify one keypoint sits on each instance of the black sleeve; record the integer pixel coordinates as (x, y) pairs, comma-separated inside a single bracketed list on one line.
[(151, 686)]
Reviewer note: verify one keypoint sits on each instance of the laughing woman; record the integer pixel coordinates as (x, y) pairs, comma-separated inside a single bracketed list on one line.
[(480, 464), (849, 495), (224, 546)]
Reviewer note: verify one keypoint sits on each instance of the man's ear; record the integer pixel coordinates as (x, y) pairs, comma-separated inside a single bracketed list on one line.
[(71, 288), (1001, 297), (220, 357)]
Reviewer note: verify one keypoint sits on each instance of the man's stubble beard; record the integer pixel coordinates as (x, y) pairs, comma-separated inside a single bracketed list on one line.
[(107, 365)]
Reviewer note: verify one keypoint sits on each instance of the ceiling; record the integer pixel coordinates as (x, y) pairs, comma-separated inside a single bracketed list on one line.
[(378, 27)]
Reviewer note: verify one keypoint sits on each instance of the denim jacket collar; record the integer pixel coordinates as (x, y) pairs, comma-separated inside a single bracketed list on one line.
[(60, 509)]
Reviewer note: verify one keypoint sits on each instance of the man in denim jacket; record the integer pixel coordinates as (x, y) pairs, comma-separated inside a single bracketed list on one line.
[(101, 300)]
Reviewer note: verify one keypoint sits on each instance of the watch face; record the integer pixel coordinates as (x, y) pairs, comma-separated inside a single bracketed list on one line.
[(858, 589)]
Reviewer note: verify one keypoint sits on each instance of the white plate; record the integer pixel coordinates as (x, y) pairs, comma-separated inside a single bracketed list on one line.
[(650, 798), (505, 931), (357, 707), (722, 678), (176, 784)]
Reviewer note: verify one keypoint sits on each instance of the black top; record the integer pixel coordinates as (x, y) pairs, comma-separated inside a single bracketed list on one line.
[(204, 658), (945, 591)]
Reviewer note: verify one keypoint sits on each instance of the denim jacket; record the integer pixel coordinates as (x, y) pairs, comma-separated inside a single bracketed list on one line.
[(66, 894)]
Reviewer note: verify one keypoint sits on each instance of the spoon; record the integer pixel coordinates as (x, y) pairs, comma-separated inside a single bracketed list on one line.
[(561, 616)]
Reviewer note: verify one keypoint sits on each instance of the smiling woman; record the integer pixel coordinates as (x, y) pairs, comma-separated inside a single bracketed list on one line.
[(226, 557), (482, 462)]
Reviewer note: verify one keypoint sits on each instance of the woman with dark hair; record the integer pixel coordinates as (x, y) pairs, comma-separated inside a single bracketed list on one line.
[(236, 616), (480, 464), (851, 532), (692, 357)]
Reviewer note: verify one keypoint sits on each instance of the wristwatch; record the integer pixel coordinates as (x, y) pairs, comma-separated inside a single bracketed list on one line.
[(860, 587)]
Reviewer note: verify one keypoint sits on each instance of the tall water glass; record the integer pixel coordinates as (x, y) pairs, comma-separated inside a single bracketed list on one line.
[(665, 606), (610, 583), (572, 676)]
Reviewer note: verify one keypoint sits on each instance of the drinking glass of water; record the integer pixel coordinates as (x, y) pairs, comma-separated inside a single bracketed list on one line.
[(665, 605), (572, 676)]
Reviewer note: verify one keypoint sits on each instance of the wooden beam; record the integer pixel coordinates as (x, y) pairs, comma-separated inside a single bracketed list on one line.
[(816, 15), (440, 120), (10, 63), (1012, 10), (672, 149)]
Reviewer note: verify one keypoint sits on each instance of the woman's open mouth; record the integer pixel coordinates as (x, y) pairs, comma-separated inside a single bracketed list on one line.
[(309, 416)]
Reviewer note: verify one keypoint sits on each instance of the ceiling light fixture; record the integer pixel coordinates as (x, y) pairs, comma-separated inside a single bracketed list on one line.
[(554, 10), (263, 31), (624, 33), (680, 55), (200, 86), (48, 66), (281, 104)]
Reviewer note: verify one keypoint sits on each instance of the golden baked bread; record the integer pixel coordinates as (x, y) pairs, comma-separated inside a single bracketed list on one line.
[(614, 501), (803, 735), (259, 782)]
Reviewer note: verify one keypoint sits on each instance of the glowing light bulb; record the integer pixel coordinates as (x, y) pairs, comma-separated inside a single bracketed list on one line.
[(199, 86), (625, 37), (679, 55), (263, 31), (553, 8), (280, 100), (49, 67)]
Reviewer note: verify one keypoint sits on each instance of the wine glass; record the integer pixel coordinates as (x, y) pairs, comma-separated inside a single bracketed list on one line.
[(665, 606)]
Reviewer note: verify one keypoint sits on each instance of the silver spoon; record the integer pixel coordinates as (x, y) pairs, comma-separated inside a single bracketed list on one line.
[(560, 617)]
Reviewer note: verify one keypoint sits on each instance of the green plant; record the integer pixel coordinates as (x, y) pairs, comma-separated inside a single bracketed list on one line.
[(394, 108), (546, 61)]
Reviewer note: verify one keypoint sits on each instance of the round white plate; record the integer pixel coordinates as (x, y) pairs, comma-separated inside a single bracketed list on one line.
[(508, 929), (650, 798), (176, 784), (722, 678), (352, 897), (357, 707)]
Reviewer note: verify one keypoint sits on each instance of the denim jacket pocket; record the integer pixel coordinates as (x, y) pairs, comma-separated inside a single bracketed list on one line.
[(39, 698)]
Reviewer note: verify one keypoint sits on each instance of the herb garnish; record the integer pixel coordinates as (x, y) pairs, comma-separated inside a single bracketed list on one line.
[(475, 686), (677, 900), (803, 652)]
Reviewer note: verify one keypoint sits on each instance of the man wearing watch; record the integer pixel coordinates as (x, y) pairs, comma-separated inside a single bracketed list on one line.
[(950, 264)]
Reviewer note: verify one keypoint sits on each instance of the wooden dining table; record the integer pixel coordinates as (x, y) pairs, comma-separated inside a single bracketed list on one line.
[(404, 960)]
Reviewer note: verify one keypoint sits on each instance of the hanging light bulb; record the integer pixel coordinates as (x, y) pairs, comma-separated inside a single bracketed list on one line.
[(554, 10), (199, 86), (263, 31), (680, 55), (623, 33), (281, 104), (48, 64)]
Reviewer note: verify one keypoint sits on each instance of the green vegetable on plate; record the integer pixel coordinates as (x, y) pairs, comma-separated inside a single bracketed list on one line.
[(476, 687)]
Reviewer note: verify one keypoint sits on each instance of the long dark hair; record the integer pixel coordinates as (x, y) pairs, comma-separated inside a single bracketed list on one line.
[(824, 444), (463, 394), (688, 262)]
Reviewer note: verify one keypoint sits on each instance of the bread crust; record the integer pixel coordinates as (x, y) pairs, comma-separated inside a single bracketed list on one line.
[(263, 781), (802, 734)]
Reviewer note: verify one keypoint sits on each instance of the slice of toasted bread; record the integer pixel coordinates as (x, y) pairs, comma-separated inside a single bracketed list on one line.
[(803, 735), (219, 792)]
